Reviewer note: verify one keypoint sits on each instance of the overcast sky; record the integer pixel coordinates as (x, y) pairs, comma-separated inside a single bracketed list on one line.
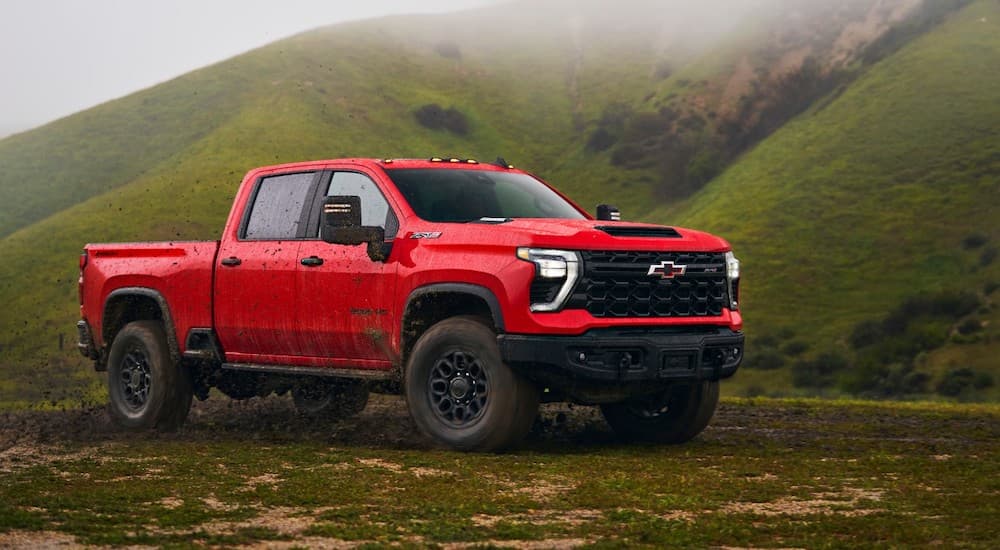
[(61, 56)]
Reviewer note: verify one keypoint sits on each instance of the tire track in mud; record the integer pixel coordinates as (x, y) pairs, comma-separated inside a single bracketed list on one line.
[(385, 423)]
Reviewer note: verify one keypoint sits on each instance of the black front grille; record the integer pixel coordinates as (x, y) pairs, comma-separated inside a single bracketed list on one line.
[(618, 284)]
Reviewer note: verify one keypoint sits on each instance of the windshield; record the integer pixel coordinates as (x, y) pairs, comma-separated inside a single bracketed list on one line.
[(450, 195)]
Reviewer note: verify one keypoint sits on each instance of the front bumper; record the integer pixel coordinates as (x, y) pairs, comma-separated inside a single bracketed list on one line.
[(625, 355)]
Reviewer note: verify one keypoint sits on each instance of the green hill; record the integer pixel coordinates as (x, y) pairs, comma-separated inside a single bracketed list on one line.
[(888, 191), (673, 112)]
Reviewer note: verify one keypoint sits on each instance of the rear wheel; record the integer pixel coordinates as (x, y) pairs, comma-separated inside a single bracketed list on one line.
[(461, 394), (674, 416), (323, 399), (146, 388)]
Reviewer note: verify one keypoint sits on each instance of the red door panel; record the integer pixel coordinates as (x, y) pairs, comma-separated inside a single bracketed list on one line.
[(344, 305), (255, 310)]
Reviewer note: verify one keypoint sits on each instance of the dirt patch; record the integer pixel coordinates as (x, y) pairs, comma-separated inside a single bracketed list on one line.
[(737, 87), (545, 544), (268, 480), (171, 503), (37, 540), (859, 34), (540, 517), (543, 490), (848, 502), (429, 472), (379, 463)]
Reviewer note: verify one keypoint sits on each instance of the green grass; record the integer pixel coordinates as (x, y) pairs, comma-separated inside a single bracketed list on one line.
[(837, 217), (793, 473)]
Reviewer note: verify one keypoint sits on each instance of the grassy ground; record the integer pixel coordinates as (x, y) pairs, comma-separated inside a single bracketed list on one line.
[(765, 473)]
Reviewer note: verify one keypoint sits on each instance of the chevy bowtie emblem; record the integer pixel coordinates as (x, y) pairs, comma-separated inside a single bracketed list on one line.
[(667, 270)]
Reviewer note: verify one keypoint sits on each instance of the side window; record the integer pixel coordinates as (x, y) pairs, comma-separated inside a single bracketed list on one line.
[(375, 211), (277, 208)]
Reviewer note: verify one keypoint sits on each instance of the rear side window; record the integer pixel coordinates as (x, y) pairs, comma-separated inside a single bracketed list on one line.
[(277, 207)]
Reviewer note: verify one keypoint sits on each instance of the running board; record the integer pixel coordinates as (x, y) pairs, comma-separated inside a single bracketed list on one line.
[(332, 372)]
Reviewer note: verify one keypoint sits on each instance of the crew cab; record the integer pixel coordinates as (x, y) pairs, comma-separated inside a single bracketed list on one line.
[(475, 290)]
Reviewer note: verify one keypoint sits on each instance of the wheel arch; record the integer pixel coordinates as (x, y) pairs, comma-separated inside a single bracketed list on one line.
[(129, 304), (430, 304)]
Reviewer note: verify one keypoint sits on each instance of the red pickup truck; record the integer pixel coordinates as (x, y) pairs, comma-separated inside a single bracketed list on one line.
[(475, 290)]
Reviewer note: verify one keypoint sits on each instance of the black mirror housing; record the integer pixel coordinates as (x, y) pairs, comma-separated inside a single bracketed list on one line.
[(608, 213), (342, 225)]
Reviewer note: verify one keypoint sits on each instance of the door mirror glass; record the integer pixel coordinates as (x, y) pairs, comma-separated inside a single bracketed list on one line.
[(342, 225)]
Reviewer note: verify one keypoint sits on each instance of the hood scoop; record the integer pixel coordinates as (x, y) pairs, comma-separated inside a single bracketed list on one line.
[(651, 231)]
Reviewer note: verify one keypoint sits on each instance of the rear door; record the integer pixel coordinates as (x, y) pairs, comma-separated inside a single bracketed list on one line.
[(344, 296), (255, 295)]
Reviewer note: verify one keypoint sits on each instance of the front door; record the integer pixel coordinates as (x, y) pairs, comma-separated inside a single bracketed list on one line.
[(345, 298)]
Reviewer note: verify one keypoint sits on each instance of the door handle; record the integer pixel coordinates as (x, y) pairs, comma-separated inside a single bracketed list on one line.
[(232, 261), (312, 261)]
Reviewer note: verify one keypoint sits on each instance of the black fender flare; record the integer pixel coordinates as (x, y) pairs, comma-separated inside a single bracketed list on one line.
[(480, 292), (168, 320)]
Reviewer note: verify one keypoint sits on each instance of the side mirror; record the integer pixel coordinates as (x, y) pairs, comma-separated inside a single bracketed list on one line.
[(608, 213), (342, 225)]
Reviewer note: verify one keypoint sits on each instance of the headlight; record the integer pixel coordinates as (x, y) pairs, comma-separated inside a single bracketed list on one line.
[(556, 272), (733, 277)]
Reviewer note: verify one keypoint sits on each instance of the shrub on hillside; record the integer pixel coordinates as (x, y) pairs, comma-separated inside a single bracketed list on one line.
[(974, 240), (955, 382), (764, 359), (600, 140), (663, 70), (866, 333), (969, 326), (449, 50), (946, 304), (820, 372), (795, 348), (878, 380), (987, 257), (435, 117)]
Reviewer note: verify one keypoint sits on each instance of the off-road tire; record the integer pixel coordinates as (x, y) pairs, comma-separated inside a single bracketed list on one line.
[(147, 389), (323, 399), (498, 405), (674, 416)]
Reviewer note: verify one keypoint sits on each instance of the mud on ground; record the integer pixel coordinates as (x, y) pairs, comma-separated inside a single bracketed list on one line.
[(385, 423)]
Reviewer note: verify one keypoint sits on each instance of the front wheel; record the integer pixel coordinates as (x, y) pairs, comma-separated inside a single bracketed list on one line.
[(461, 394), (146, 388), (674, 416)]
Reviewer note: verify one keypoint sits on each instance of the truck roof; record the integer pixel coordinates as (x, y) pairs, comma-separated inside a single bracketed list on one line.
[(388, 164)]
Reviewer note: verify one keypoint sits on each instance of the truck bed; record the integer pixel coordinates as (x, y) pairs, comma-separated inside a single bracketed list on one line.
[(177, 274)]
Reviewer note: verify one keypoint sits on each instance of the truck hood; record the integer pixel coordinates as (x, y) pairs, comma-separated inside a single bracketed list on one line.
[(582, 235)]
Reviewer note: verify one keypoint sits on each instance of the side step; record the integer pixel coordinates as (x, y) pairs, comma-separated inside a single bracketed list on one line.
[(364, 374)]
